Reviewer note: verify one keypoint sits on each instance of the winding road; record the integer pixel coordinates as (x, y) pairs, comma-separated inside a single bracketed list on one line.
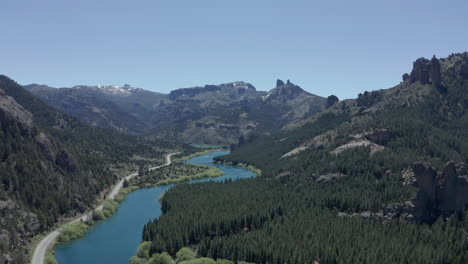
[(41, 248)]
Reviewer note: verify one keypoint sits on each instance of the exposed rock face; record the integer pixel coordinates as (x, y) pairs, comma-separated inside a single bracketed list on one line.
[(420, 72), (279, 83), (331, 177), (408, 177), (374, 138), (440, 193), (425, 71), (435, 72), (284, 92), (379, 136), (358, 143), (464, 71), (406, 77)]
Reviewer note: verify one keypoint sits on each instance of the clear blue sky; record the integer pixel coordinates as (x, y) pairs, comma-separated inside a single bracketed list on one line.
[(326, 47)]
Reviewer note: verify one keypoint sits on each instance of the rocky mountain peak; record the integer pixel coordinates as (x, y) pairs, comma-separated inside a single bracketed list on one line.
[(284, 92), (279, 83), (425, 71)]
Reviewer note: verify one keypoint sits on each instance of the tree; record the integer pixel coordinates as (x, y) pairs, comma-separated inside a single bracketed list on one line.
[(143, 249), (162, 258), (185, 254)]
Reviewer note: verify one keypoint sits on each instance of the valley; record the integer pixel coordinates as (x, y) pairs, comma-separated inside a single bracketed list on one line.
[(388, 163), (234, 132), (140, 206)]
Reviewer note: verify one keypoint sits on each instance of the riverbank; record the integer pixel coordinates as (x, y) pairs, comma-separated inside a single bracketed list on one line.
[(242, 165), (45, 246)]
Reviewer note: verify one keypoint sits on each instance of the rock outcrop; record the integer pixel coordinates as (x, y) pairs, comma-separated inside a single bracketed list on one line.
[(375, 139), (379, 135), (331, 100), (358, 143), (426, 71), (441, 193), (420, 72), (435, 72), (279, 83), (331, 177)]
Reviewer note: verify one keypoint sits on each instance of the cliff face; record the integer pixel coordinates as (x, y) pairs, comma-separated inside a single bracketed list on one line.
[(425, 71), (441, 193)]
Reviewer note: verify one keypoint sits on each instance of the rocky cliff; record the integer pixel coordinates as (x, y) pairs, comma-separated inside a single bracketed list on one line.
[(440, 193)]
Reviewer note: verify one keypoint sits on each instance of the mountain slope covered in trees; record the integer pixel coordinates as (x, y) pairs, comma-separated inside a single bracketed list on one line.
[(377, 179), (53, 166)]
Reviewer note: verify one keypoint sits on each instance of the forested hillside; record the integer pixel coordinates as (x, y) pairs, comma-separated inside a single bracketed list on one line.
[(51, 165), (378, 179)]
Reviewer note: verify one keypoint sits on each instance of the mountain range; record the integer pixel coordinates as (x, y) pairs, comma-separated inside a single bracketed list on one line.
[(212, 114)]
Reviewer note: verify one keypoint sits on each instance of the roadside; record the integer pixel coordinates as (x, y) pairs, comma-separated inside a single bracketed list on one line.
[(47, 242)]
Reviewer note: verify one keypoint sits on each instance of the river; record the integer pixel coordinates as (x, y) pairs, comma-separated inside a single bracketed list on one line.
[(116, 239)]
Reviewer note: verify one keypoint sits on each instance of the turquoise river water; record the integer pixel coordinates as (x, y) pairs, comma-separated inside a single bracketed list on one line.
[(115, 240)]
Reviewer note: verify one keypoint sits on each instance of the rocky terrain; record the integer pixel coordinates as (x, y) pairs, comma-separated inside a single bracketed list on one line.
[(212, 114)]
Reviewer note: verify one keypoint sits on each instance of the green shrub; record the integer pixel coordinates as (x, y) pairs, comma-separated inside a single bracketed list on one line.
[(109, 207), (199, 261), (143, 249), (183, 254), (98, 215), (50, 259), (72, 231), (136, 260), (162, 258)]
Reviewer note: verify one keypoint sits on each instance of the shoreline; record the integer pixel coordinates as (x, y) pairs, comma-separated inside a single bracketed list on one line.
[(197, 154), (242, 165), (46, 245)]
